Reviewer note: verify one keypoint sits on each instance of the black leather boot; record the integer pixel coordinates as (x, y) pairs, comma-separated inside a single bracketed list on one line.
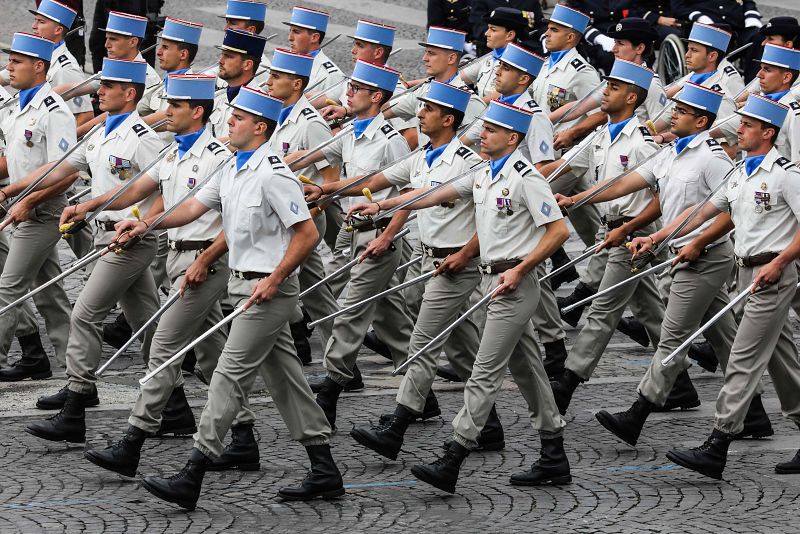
[(708, 459), (447, 372), (182, 488), (117, 333), (792, 467), (67, 425), (328, 397), (429, 411), (634, 330), (387, 437), (682, 396), (492, 437), (355, 384), (57, 400), (551, 469), (376, 345), (555, 354), (177, 417), (756, 422), (580, 292), (443, 473), (34, 363), (559, 258), (241, 453), (703, 353), (563, 388), (300, 333), (324, 479), (121, 457), (627, 425)]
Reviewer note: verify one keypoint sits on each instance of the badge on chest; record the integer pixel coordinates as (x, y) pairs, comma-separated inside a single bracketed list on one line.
[(120, 167), (504, 203)]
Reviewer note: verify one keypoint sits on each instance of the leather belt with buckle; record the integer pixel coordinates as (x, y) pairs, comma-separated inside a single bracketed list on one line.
[(616, 223), (758, 259), (434, 252), (183, 246), (248, 275), (108, 226), (497, 267)]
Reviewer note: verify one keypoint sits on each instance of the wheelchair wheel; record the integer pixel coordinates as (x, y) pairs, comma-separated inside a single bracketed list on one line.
[(671, 62)]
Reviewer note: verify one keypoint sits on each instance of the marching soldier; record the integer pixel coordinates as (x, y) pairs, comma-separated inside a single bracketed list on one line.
[(249, 16), (113, 155), (682, 177), (267, 227), (41, 128), (780, 67), (372, 144), (762, 202), (518, 226), (307, 29)]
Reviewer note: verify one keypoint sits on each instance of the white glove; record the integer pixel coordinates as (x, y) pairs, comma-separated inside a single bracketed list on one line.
[(605, 41), (705, 19), (752, 22)]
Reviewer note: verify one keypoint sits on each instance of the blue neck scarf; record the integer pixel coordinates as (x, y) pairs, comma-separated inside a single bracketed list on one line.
[(497, 53), (360, 126), (776, 96), (700, 78), (497, 164), (752, 162), (26, 95), (555, 57), (113, 121), (186, 141), (509, 99), (58, 44), (166, 78), (614, 128), (683, 142), (314, 53), (284, 114), (232, 92), (242, 156), (432, 154)]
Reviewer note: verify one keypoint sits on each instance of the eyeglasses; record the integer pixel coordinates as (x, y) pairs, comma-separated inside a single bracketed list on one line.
[(353, 88), (681, 111)]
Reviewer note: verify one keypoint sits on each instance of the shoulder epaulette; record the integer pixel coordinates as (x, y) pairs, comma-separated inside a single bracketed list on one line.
[(714, 145), (276, 162), (795, 105), (50, 103), (784, 162), (63, 59), (305, 112), (645, 133), (520, 165), (214, 147), (388, 131), (464, 152), (330, 67), (729, 70), (577, 64), (716, 87), (139, 129)]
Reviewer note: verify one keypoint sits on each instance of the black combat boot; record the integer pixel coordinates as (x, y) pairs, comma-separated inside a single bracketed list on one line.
[(443, 473), (57, 400), (566, 276), (387, 437), (492, 437), (634, 330), (67, 425), (555, 354), (300, 335), (117, 333), (182, 488), (563, 388), (703, 353), (552, 467), (376, 345), (33, 364), (792, 467), (627, 425), (177, 417), (708, 459), (447, 372), (580, 292), (429, 411), (121, 457), (354, 384), (241, 453), (756, 421), (324, 479), (328, 397), (682, 396)]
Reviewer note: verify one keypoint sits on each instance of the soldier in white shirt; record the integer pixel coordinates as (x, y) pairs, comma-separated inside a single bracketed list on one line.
[(269, 233), (623, 143), (113, 154), (518, 227), (372, 144), (683, 176), (39, 128), (307, 29), (762, 202)]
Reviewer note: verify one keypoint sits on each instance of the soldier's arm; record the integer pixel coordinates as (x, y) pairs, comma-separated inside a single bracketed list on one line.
[(63, 171)]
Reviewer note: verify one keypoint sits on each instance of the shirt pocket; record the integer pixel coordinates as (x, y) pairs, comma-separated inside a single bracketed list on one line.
[(251, 217)]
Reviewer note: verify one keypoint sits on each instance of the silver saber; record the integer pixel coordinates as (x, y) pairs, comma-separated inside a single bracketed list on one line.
[(344, 131), (640, 274), (553, 176), (373, 298), (449, 329), (707, 324), (170, 301), (585, 254), (86, 260), (79, 195), (409, 264)]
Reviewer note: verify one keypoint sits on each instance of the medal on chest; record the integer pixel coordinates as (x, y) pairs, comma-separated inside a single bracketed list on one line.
[(28, 136), (762, 199), (504, 203), (120, 167), (623, 160), (285, 148)]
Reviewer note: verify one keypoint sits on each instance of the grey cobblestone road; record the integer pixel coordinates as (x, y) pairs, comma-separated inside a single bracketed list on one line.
[(48, 487)]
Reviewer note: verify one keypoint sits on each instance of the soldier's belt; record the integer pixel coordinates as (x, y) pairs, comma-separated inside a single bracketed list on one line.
[(434, 252), (616, 223), (497, 267), (184, 246), (248, 275), (758, 259), (108, 226)]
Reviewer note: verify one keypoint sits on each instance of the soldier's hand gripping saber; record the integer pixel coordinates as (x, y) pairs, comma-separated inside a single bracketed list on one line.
[(640, 274), (464, 316), (640, 261), (585, 254), (735, 300), (373, 298), (170, 301), (553, 176)]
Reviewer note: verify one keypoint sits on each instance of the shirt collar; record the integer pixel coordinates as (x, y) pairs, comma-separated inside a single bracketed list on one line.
[(242, 157), (509, 99), (776, 96), (26, 95), (114, 121), (371, 127), (450, 81), (683, 142), (751, 163), (187, 141), (555, 58), (497, 53), (433, 154), (701, 77), (284, 114), (615, 128), (314, 53), (497, 165), (119, 129)]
